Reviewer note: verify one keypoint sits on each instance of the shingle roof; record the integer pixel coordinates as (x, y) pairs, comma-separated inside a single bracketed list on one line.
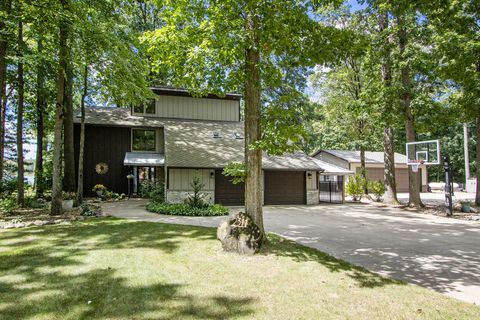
[(191, 143), (370, 156)]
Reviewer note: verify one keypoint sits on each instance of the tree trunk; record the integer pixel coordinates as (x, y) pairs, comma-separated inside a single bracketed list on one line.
[(253, 156), (69, 155), (413, 177), (390, 195), (40, 110), (6, 6), (21, 92), (363, 169), (82, 137), (56, 207), (477, 164)]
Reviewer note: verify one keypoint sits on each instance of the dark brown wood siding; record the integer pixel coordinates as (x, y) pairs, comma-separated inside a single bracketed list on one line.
[(226, 192), (108, 145), (285, 187)]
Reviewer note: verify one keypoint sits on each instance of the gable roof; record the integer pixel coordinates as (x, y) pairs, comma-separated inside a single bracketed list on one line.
[(191, 143), (370, 156)]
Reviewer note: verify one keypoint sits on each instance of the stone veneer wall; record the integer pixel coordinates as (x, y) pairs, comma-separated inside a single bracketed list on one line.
[(313, 197), (176, 196)]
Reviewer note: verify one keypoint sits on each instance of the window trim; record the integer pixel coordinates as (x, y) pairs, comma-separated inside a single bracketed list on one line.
[(144, 108), (144, 129)]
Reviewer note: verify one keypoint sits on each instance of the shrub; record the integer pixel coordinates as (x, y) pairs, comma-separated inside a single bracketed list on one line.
[(8, 203), (8, 186), (197, 199), (354, 187), (153, 190), (377, 188), (187, 210), (89, 210)]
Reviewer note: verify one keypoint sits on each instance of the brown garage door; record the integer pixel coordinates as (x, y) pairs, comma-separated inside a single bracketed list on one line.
[(226, 192), (401, 176), (285, 187)]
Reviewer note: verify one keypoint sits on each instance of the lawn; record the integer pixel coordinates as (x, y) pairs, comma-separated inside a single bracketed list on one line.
[(117, 269)]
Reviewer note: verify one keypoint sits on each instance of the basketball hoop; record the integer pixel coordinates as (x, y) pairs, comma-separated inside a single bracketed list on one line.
[(416, 164)]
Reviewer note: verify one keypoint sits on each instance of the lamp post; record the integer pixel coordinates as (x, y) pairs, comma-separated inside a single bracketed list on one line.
[(448, 186), (130, 178)]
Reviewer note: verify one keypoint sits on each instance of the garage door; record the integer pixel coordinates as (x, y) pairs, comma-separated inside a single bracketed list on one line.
[(284, 187), (401, 176), (226, 192)]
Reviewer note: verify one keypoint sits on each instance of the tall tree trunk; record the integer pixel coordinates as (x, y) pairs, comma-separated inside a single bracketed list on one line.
[(389, 180), (21, 92), (82, 137), (40, 110), (6, 7), (56, 207), (253, 157), (363, 169), (477, 164), (413, 177), (68, 149)]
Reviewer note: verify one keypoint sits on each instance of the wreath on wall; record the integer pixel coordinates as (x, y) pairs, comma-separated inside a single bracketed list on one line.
[(101, 168)]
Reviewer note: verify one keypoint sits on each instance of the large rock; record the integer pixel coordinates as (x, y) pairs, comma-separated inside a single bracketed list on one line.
[(240, 234)]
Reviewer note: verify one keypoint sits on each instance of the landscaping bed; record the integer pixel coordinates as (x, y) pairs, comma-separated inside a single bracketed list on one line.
[(180, 209), (108, 268)]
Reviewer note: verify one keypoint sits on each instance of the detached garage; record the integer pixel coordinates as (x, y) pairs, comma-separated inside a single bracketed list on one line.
[(374, 163), (285, 187)]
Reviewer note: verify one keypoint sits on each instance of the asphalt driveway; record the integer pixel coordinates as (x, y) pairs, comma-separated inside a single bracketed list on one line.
[(439, 253)]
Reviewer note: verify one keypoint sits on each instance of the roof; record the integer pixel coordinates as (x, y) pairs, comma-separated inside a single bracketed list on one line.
[(191, 143), (370, 156), (171, 91), (139, 158)]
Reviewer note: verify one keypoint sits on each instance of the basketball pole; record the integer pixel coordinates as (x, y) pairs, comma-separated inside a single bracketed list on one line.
[(465, 152)]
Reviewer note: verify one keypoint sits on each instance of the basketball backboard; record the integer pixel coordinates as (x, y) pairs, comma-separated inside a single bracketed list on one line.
[(423, 152)]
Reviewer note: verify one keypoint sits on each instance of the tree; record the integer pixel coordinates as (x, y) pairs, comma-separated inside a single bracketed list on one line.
[(230, 45), (56, 207), (20, 107)]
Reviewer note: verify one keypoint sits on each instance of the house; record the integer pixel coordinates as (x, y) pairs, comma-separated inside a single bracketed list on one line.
[(177, 137), (374, 164)]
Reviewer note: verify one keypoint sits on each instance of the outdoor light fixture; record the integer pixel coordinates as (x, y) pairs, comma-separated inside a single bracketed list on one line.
[(212, 174), (309, 175)]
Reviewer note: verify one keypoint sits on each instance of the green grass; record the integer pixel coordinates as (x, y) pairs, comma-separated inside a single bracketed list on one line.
[(117, 269)]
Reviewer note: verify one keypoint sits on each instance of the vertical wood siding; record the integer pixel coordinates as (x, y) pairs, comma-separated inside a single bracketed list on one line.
[(180, 179), (197, 108), (104, 144)]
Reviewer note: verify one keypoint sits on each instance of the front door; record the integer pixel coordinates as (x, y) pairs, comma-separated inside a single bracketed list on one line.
[(142, 174)]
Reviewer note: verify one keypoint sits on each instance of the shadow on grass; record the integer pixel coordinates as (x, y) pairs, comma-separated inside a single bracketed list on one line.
[(282, 247), (49, 276)]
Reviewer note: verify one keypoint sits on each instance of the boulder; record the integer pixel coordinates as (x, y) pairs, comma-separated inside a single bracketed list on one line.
[(240, 234)]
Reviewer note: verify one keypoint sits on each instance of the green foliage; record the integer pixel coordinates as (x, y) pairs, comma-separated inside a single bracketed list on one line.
[(8, 186), (355, 187), (7, 204), (237, 171), (153, 190), (90, 210), (187, 210), (377, 188), (197, 199)]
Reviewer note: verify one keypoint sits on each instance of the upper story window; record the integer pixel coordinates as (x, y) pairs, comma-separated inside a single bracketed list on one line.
[(143, 140), (145, 108)]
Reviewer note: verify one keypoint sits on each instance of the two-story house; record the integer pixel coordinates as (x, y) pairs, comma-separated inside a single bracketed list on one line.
[(177, 137)]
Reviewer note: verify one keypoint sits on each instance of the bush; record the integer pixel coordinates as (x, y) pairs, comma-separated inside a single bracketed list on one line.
[(197, 199), (89, 210), (7, 204), (8, 186), (187, 210), (153, 190), (355, 186), (377, 188)]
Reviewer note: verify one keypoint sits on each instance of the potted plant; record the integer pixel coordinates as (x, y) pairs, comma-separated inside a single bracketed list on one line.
[(99, 189), (68, 198)]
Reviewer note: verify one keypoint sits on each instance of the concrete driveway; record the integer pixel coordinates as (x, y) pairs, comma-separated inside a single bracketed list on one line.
[(434, 252)]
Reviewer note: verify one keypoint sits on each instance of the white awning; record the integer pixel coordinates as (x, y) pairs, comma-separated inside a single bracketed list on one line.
[(144, 159)]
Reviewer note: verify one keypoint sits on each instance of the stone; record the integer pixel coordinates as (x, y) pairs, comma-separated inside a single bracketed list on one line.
[(9, 226), (29, 223), (19, 225), (238, 233), (39, 222)]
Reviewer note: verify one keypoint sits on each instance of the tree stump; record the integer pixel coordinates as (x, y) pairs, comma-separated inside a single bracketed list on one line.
[(240, 234)]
